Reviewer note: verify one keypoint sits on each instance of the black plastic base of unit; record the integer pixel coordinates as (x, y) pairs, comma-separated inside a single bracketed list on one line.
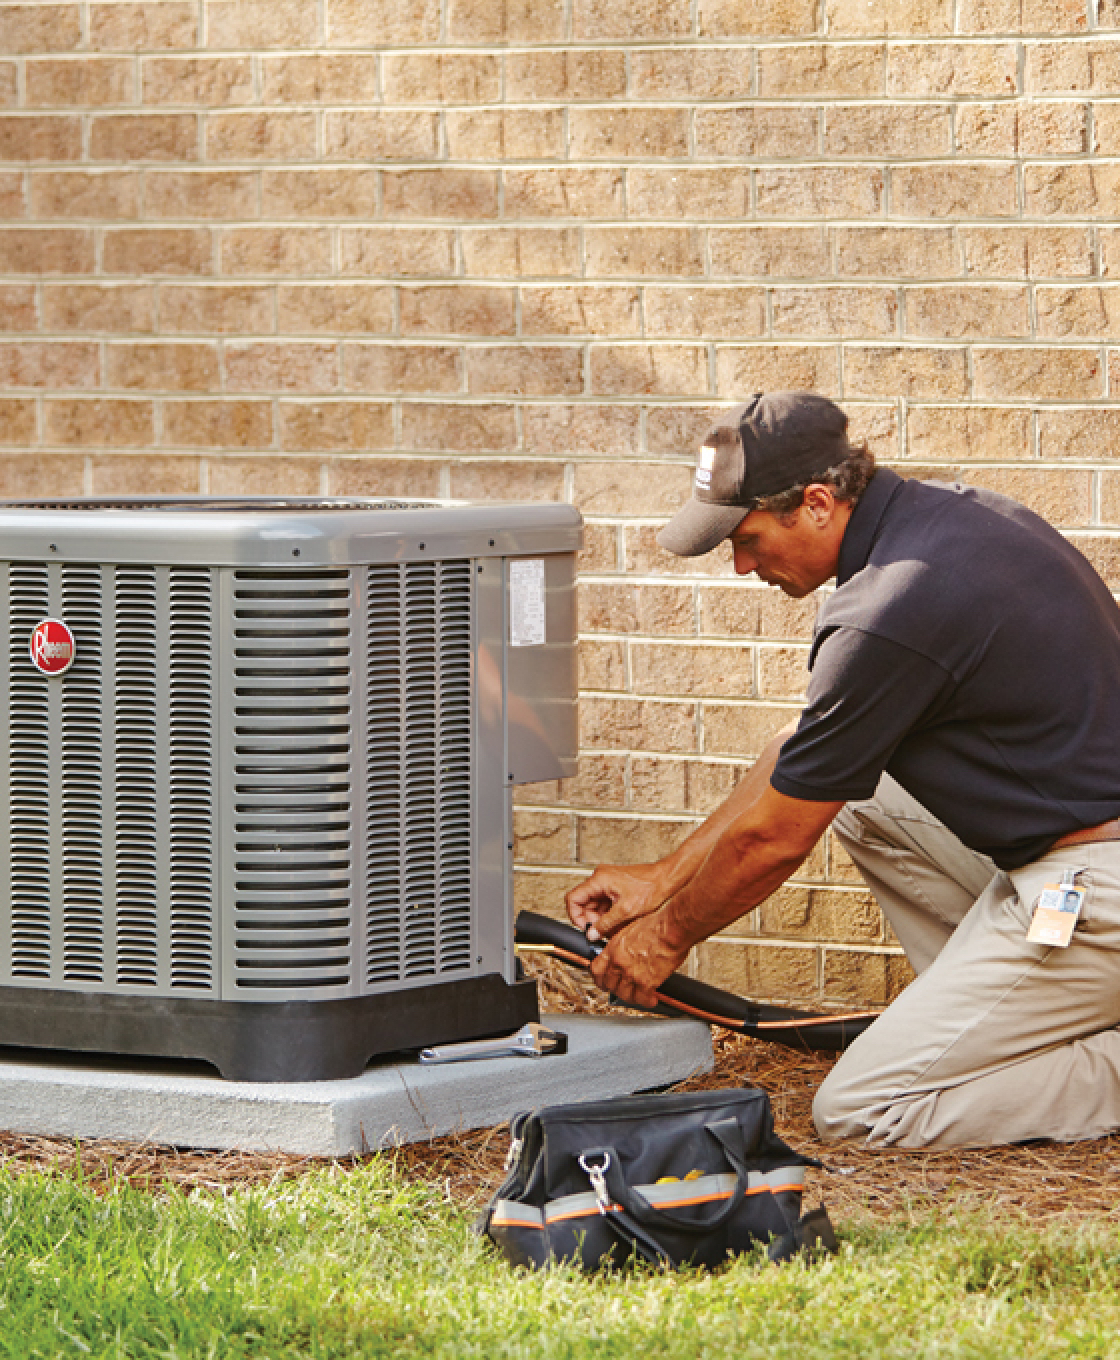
[(266, 1040)]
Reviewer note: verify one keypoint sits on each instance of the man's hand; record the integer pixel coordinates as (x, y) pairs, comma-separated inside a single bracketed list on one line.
[(638, 960), (614, 895)]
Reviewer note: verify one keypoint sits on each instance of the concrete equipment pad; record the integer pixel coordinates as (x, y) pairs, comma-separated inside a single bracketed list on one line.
[(390, 1103)]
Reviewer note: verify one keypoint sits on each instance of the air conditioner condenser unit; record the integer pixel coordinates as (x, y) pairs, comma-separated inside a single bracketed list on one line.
[(257, 771)]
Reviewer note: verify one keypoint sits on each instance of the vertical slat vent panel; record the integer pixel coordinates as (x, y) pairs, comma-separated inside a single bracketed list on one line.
[(419, 771), (29, 777), (294, 870)]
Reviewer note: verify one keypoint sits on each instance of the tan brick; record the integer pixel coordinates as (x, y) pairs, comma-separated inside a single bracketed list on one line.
[(144, 137), (1110, 494), (931, 69), (689, 194), (215, 195), (1038, 372), (748, 610), (264, 476), (759, 252), (643, 555), (582, 428), (40, 28), (17, 429), (1088, 311), (783, 672), (580, 309), (157, 250), (205, 82), (506, 134), (1102, 551), (970, 432), (1023, 16), (37, 475), (1063, 498), (637, 725), (541, 837), (601, 665), (215, 309), (1109, 241), (692, 73), (46, 250), (109, 195), (630, 488), (115, 307), (627, 133), (525, 370), (875, 130), (743, 369), (600, 547), (708, 784), (396, 252), (600, 783), (217, 424), (652, 610), (57, 364), (642, 20), (381, 135), (888, 17), (643, 252), (40, 138), (442, 78), (662, 369), (1069, 67), (261, 23), (455, 427), (724, 313), (508, 480), (316, 194), (864, 978), (822, 914), (106, 422), (959, 310), (767, 972), (691, 671), (158, 367), (914, 371), (742, 729), (79, 82), (282, 366), (144, 474), (296, 251), (840, 310), (17, 306), (750, 18), (260, 136), (380, 476), (501, 21), (819, 191), (329, 309), (143, 25), (377, 23), (563, 192), (334, 425), (1108, 14), (519, 252), (1028, 252), (542, 890), (319, 78), (469, 194), (458, 309), (831, 70), (9, 84), (403, 368), (956, 190), (1084, 435), (1029, 130), (565, 76), (13, 197), (896, 252), (1106, 128), (626, 840), (1076, 190)]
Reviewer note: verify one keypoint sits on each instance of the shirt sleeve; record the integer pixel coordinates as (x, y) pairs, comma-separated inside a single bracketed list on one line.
[(865, 694)]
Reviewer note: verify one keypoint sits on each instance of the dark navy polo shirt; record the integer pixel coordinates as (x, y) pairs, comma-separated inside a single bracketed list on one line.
[(973, 654)]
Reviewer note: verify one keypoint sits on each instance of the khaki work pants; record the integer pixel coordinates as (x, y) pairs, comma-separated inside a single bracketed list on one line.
[(996, 1040)]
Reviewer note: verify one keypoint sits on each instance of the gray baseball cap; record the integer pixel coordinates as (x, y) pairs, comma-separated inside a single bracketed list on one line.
[(774, 441)]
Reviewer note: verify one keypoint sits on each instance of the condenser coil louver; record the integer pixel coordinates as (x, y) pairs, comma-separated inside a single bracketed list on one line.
[(263, 818)]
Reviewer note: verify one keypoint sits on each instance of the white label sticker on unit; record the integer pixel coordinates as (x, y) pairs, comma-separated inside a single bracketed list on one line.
[(526, 602)]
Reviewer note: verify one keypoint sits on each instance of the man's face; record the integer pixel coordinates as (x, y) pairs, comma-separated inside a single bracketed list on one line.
[(796, 556)]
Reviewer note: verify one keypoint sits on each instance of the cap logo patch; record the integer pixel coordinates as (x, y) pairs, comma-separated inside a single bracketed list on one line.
[(704, 467)]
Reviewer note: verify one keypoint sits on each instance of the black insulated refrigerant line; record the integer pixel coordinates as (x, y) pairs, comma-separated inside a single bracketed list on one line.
[(685, 996)]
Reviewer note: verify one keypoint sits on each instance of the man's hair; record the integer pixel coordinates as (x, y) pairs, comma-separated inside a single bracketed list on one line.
[(848, 480)]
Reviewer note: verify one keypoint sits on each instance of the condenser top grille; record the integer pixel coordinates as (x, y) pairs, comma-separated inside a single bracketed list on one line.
[(217, 504)]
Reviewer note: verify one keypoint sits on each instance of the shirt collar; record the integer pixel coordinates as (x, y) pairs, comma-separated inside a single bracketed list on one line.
[(863, 527)]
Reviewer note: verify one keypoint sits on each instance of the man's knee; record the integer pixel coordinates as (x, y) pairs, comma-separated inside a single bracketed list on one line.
[(834, 1115)]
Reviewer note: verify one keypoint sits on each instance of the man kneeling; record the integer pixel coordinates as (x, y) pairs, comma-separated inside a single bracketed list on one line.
[(962, 734)]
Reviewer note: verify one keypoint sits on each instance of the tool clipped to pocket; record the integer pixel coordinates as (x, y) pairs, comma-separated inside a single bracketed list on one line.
[(1056, 911), (530, 1041)]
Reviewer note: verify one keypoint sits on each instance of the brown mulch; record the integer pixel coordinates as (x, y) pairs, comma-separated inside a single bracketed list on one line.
[(1025, 1182)]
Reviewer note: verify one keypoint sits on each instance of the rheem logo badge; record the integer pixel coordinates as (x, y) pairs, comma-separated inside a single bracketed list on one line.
[(52, 647)]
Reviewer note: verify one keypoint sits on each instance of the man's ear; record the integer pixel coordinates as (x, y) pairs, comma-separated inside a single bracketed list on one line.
[(820, 504)]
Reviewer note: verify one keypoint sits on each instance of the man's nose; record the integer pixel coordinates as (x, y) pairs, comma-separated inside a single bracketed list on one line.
[(744, 561)]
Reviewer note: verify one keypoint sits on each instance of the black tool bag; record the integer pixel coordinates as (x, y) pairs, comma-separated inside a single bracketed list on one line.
[(672, 1179)]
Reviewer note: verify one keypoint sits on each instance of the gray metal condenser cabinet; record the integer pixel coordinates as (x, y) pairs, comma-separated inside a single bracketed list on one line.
[(257, 768)]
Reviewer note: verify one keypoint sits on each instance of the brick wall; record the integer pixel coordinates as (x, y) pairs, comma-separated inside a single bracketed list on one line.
[(519, 249)]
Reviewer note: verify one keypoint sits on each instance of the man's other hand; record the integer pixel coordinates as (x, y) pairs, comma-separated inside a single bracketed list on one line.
[(614, 895), (638, 960)]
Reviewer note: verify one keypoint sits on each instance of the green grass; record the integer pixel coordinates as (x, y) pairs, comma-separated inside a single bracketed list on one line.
[(362, 1263)]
